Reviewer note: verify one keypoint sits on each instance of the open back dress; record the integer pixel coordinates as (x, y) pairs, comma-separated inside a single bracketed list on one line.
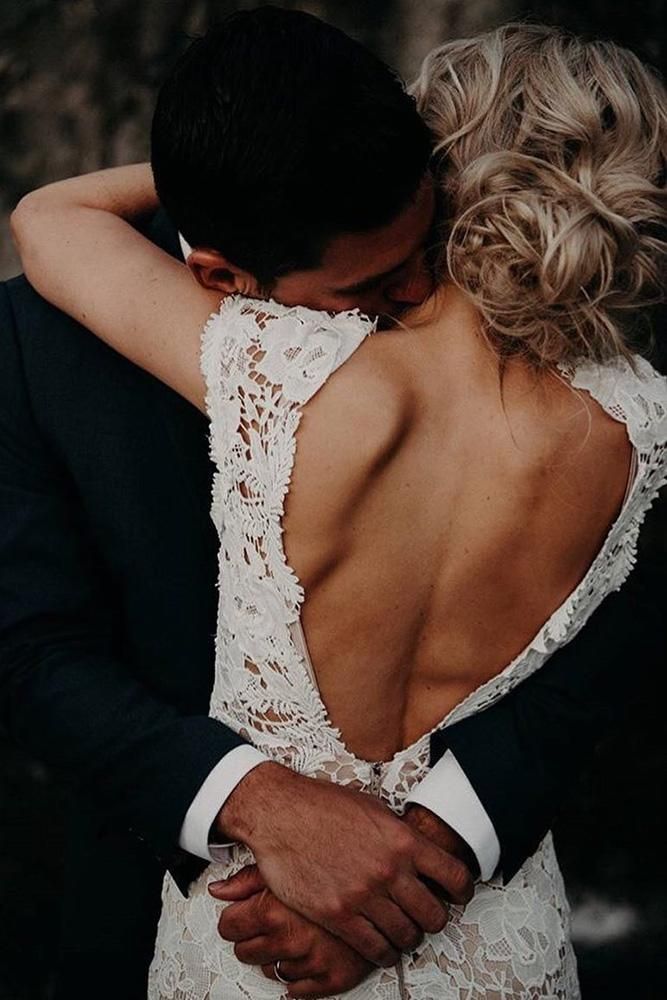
[(262, 363)]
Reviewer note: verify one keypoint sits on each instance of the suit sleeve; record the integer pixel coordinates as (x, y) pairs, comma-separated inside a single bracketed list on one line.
[(525, 753), (65, 695)]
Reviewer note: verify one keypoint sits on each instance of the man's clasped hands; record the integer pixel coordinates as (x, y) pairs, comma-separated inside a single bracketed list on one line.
[(341, 885)]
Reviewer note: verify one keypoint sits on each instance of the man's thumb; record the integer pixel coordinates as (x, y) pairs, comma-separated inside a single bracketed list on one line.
[(240, 886)]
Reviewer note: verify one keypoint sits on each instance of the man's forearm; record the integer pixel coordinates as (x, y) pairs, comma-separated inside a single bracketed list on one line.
[(250, 806), (75, 706), (200, 831), (65, 693)]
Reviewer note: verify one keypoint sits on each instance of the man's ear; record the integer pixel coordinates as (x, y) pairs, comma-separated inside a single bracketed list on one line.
[(212, 270)]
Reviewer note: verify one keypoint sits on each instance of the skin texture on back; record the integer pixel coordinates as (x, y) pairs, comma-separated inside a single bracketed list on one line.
[(436, 519)]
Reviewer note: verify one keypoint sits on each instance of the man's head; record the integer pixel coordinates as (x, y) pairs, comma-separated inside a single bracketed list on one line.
[(295, 164)]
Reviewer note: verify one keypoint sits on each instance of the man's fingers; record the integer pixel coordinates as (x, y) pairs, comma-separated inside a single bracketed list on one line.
[(307, 989), (267, 949), (367, 940), (391, 920), (245, 883), (257, 951), (290, 968), (446, 870), (296, 968), (302, 984), (245, 919), (425, 907), (316, 977)]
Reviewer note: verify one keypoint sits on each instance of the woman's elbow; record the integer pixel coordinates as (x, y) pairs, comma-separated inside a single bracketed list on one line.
[(29, 224), (23, 221)]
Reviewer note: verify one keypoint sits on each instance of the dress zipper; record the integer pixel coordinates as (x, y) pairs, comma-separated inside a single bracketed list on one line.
[(376, 785)]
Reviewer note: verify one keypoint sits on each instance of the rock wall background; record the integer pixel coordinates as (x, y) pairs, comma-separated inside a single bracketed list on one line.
[(78, 77), (77, 85)]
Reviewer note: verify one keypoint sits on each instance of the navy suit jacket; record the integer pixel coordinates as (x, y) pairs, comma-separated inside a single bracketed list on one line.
[(108, 566)]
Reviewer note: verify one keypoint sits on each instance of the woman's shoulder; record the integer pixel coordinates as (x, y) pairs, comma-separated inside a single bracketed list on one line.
[(365, 410), (348, 434)]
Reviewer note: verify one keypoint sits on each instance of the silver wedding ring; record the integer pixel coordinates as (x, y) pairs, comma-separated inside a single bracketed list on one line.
[(276, 972)]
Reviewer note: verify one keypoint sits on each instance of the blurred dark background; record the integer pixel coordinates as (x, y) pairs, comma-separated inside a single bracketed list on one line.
[(77, 85)]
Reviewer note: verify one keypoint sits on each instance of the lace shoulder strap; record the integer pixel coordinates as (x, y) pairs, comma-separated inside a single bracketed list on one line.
[(262, 362), (635, 396)]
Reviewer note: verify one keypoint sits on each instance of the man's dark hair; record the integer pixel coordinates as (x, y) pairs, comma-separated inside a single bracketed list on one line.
[(274, 133)]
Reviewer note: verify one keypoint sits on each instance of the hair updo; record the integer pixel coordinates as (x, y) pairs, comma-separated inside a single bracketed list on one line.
[(551, 152)]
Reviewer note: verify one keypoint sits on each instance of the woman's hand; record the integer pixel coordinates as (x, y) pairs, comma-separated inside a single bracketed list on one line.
[(265, 931)]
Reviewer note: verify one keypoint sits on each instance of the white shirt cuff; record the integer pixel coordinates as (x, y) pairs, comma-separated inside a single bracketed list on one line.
[(209, 800), (186, 249), (447, 792)]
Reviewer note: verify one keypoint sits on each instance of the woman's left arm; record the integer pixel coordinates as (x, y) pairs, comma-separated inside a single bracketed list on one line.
[(81, 253)]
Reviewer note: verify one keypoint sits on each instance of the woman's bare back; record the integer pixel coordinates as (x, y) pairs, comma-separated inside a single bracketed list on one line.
[(436, 522)]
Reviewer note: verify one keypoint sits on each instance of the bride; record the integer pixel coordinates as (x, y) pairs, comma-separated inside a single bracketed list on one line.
[(463, 489)]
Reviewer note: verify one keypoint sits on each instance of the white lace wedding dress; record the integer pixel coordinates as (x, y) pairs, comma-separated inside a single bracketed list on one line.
[(262, 363)]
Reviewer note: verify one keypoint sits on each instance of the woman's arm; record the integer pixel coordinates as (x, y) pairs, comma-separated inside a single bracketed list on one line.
[(80, 252)]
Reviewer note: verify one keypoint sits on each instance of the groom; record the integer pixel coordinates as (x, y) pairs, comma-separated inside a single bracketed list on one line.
[(108, 555)]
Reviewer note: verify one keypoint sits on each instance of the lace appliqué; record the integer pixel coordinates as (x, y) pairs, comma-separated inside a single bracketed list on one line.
[(262, 363)]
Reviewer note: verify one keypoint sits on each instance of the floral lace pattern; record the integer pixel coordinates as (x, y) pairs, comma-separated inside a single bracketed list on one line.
[(262, 363)]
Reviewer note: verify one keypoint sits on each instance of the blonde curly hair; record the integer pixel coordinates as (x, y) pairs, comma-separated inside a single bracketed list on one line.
[(552, 154)]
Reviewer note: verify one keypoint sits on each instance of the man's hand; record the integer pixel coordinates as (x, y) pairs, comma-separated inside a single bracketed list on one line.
[(440, 833), (266, 931), (343, 860)]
